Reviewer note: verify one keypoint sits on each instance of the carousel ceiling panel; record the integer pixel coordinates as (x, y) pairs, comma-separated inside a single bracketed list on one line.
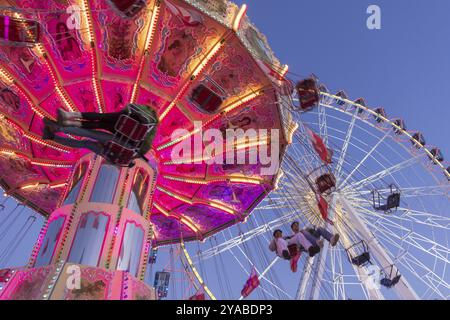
[(183, 40), (188, 189), (175, 120), (44, 199), (237, 196), (116, 95), (205, 218), (83, 94), (13, 104), (169, 229), (156, 100), (17, 171), (185, 169), (119, 41), (158, 57)]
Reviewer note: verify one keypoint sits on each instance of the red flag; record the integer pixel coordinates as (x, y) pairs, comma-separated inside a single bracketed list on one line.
[(200, 295), (319, 146), (323, 208), (251, 284)]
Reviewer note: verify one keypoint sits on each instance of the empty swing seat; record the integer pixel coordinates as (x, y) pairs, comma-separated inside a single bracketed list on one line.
[(381, 113), (358, 254), (18, 32), (308, 94), (393, 201), (206, 99), (326, 183), (362, 259), (389, 283)]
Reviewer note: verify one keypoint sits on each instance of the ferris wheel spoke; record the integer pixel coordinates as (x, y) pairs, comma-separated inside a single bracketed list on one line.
[(408, 215), (438, 190), (385, 172), (262, 276), (345, 145), (428, 277), (426, 218), (411, 238), (412, 264), (247, 273), (323, 126), (369, 154)]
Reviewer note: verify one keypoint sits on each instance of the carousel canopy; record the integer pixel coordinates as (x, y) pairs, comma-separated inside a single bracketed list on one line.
[(193, 61)]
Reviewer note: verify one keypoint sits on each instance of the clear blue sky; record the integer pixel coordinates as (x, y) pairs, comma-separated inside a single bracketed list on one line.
[(404, 67)]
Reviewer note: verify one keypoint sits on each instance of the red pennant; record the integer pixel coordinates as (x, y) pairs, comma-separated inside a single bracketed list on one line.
[(323, 208), (251, 284), (294, 261), (199, 296), (319, 146)]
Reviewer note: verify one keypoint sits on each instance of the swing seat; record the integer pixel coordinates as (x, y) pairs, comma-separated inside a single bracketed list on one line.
[(206, 99), (131, 128), (118, 154), (308, 94), (389, 283), (393, 201), (293, 250), (18, 32), (326, 183), (362, 259)]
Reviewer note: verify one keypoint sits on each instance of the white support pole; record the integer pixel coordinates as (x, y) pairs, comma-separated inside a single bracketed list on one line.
[(403, 289)]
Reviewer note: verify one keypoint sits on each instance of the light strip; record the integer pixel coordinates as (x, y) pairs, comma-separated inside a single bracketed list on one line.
[(198, 70), (184, 220), (235, 179), (38, 184), (198, 201), (148, 43), (11, 82), (238, 18), (208, 58), (197, 275), (35, 161), (87, 14), (240, 101), (243, 100), (44, 143)]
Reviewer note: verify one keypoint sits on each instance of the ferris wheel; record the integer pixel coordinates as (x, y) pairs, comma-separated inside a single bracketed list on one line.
[(388, 199)]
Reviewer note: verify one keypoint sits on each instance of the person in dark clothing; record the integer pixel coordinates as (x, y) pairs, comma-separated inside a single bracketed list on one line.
[(98, 128)]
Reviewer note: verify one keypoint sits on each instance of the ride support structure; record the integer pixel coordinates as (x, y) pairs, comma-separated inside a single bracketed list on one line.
[(96, 244)]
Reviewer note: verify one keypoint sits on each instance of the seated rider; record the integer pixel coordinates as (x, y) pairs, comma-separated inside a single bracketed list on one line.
[(280, 244), (89, 124), (314, 234)]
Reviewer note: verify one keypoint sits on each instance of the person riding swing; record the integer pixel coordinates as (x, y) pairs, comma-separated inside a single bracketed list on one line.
[(119, 137)]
